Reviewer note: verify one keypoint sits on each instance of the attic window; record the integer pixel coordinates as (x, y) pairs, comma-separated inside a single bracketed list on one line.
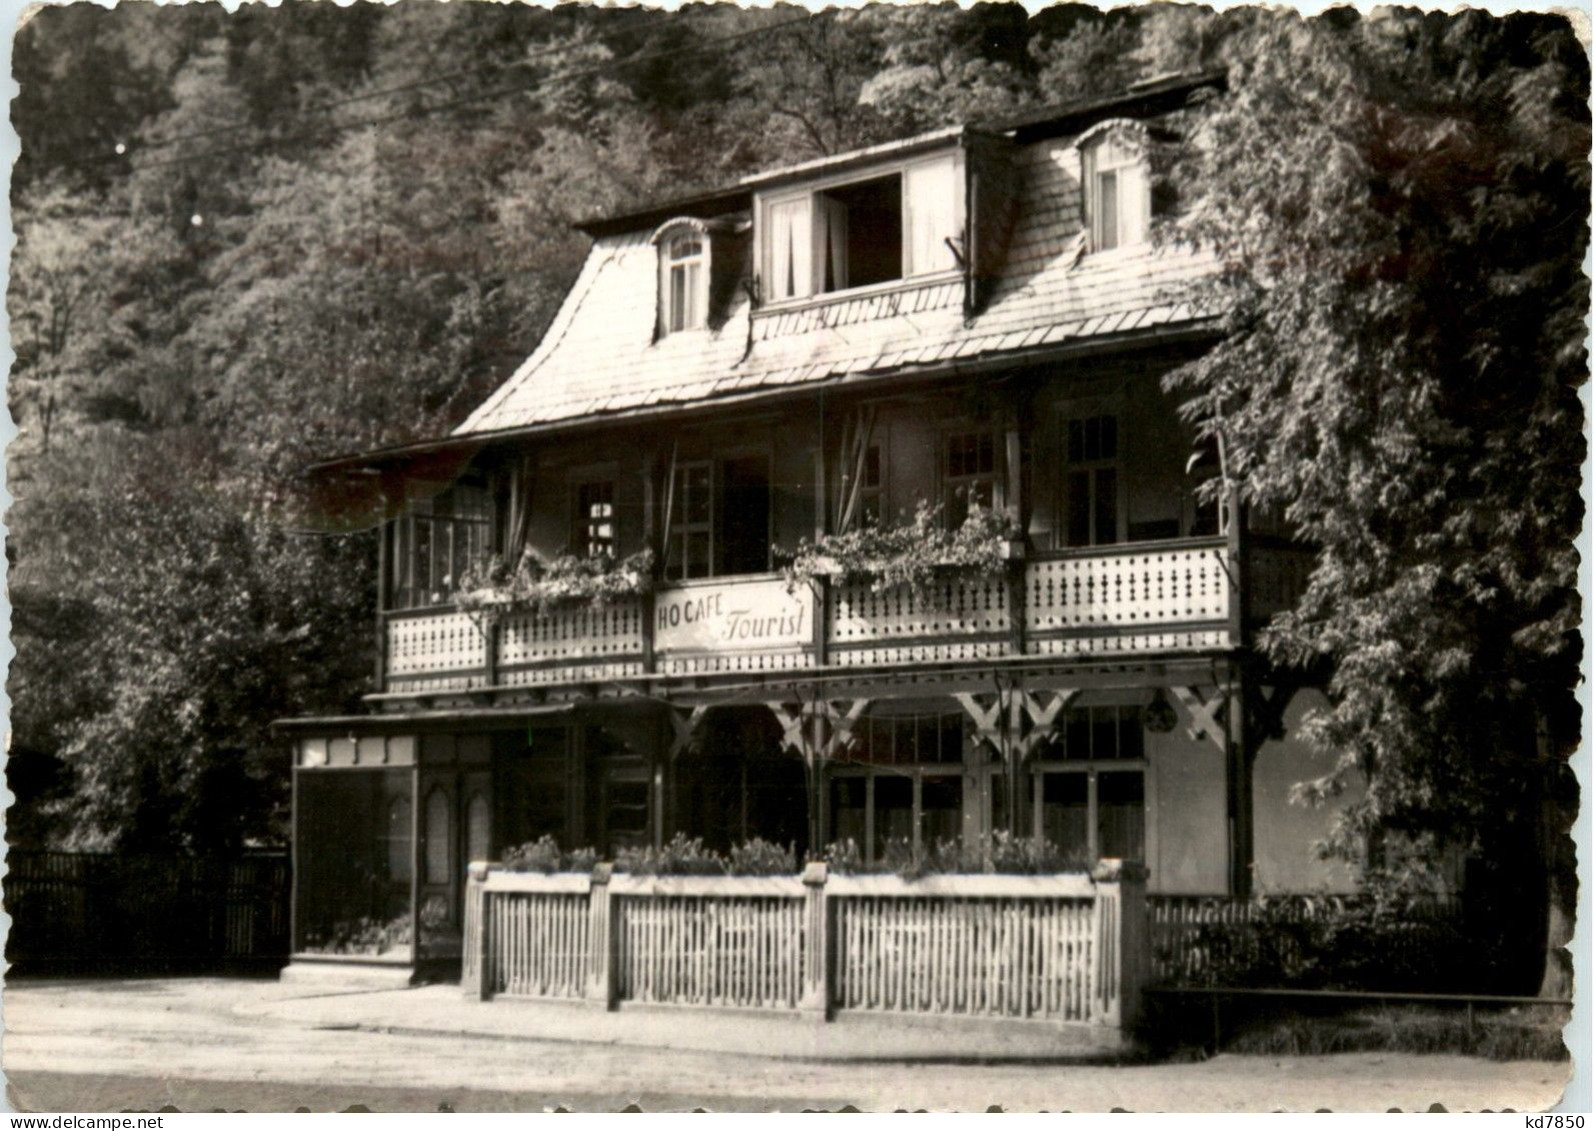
[(900, 223), (683, 276), (1117, 189)]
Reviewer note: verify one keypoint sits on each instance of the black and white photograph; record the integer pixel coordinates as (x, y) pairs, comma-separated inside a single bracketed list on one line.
[(993, 558)]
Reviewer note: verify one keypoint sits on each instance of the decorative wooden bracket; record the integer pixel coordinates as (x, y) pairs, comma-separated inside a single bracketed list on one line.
[(1043, 719), (685, 725), (987, 720), (843, 718), (1203, 714), (791, 726), (836, 719), (1041, 714)]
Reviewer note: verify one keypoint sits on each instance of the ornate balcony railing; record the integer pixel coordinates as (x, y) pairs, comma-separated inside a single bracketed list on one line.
[(1137, 598)]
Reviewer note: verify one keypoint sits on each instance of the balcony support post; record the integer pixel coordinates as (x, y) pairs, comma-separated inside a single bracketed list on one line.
[(383, 568), (1238, 589)]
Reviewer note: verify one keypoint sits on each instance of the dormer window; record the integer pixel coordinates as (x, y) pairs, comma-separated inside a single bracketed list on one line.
[(683, 276), (1117, 188), (860, 231)]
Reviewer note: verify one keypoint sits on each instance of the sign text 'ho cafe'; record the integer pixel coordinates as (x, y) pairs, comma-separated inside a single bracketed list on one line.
[(736, 615)]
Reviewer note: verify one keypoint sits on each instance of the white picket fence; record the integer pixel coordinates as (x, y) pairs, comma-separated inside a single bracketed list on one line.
[(1068, 948)]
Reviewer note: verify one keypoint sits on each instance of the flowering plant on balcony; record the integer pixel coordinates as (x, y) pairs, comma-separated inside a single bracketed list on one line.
[(906, 554), (492, 589)]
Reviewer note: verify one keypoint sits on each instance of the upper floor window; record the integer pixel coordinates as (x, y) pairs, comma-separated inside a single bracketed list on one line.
[(968, 477), (436, 542), (1117, 188), (691, 533), (594, 529), (683, 247), (1091, 487), (905, 223)]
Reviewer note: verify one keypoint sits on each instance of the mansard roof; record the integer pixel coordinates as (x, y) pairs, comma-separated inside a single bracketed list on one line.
[(602, 354)]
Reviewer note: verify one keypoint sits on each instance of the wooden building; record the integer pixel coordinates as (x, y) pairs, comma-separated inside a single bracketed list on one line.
[(971, 318)]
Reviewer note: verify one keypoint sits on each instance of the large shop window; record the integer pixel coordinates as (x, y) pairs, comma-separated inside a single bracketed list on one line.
[(900, 779), (899, 225), (436, 542), (1090, 796)]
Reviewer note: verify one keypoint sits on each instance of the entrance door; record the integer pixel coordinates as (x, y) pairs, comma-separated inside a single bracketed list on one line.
[(441, 869), (744, 523), (456, 828)]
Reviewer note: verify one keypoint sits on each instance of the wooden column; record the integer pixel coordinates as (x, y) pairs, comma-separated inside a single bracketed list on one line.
[(603, 984), (1238, 595), (295, 854), (415, 861), (651, 539), (821, 603), (480, 942), (1016, 502), (1239, 762), (384, 534), (819, 953)]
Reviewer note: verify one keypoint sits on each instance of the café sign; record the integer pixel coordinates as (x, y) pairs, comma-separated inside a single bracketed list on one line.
[(733, 616)]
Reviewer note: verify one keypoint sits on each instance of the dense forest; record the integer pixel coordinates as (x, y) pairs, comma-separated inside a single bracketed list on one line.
[(249, 241)]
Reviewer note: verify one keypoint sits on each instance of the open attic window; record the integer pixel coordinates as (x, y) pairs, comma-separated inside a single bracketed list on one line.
[(895, 223)]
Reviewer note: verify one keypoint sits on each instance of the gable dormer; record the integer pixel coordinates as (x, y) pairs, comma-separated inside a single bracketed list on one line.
[(1116, 181), (890, 216), (700, 261)]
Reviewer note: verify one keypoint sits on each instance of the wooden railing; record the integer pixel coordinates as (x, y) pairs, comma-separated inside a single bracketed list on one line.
[(1131, 598), (1065, 948), (577, 642), (1134, 598), (725, 941), (957, 618)]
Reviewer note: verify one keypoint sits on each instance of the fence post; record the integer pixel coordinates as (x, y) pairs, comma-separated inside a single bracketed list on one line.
[(817, 956), (480, 977), (603, 984), (1121, 936)]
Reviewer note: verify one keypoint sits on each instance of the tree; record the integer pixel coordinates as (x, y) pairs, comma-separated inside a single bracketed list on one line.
[(1400, 204)]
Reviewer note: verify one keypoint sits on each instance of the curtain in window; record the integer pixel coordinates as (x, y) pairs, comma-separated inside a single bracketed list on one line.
[(833, 222), (857, 434), (790, 250), (517, 521), (931, 193)]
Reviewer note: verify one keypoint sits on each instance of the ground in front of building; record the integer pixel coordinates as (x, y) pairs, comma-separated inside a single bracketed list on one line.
[(203, 1044)]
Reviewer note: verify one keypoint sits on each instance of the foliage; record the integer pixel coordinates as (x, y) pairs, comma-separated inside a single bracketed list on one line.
[(544, 855), (907, 555), (1400, 201), (1341, 942), (362, 935), (680, 856), (595, 580), (759, 857), (1000, 853), (1492, 1034)]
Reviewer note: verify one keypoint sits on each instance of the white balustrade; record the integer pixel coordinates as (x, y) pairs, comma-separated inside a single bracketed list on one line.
[(1129, 589)]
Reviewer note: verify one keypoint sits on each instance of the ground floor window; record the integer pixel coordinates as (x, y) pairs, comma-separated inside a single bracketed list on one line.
[(916, 809), (1091, 812)]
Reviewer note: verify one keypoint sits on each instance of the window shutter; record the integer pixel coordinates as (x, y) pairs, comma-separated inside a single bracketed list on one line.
[(930, 199)]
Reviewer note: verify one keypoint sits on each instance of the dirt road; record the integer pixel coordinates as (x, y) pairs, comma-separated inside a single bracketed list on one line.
[(203, 1044)]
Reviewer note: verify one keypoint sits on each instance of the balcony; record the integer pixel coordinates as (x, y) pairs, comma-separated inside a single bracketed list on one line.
[(1125, 600)]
